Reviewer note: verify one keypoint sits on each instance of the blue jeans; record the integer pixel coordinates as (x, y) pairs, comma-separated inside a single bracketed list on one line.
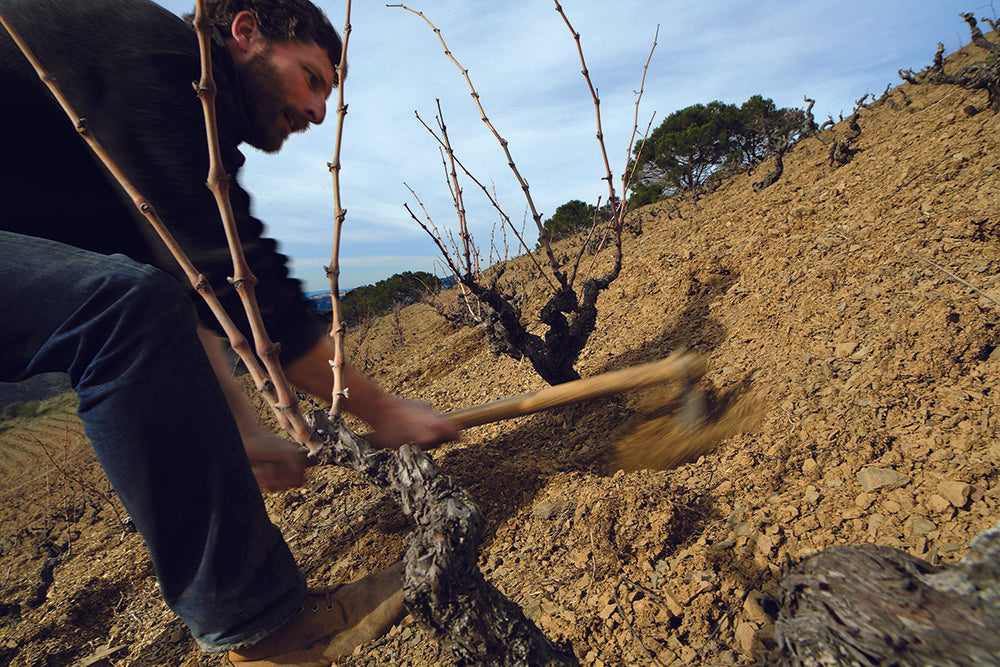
[(161, 428)]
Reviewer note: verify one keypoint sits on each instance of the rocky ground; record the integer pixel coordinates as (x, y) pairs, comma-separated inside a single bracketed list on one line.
[(815, 306)]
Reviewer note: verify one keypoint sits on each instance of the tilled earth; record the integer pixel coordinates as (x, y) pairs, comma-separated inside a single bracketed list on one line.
[(816, 307)]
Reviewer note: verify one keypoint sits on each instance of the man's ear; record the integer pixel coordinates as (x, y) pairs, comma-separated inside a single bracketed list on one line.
[(245, 36)]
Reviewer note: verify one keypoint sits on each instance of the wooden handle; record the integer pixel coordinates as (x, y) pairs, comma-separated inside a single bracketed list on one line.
[(678, 366)]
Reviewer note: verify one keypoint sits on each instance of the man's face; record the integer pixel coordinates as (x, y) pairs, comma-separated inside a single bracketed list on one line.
[(285, 88)]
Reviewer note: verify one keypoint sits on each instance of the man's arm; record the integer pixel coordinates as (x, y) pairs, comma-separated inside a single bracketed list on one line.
[(278, 464), (395, 420)]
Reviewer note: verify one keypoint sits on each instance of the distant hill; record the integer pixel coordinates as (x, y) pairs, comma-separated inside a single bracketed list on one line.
[(323, 304), (36, 388), (321, 301)]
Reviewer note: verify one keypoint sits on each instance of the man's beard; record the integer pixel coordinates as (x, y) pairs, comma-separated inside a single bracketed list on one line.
[(265, 100)]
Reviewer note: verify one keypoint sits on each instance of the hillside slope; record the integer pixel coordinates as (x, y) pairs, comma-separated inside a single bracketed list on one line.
[(875, 371)]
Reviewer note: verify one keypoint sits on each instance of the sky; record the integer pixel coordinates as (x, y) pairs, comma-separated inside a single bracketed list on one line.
[(523, 62)]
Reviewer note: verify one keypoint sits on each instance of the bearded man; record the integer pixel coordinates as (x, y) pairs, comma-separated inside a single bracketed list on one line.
[(89, 290)]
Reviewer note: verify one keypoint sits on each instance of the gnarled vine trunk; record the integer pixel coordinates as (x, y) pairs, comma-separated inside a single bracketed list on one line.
[(869, 606), (444, 588)]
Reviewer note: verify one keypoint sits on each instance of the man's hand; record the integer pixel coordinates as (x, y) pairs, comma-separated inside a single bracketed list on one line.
[(398, 421), (395, 420), (277, 464)]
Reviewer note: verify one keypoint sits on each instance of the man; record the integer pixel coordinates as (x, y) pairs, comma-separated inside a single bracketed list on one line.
[(88, 290)]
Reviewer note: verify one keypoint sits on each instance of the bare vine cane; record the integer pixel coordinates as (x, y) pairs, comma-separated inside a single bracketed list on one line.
[(196, 279), (629, 175), (337, 331), (536, 216), (455, 187), (445, 144), (617, 206), (243, 279), (444, 588)]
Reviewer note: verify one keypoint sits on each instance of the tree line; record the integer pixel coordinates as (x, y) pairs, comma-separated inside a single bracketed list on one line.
[(375, 300), (691, 147)]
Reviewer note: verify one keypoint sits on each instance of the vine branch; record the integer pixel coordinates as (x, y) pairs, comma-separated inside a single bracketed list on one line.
[(446, 146), (337, 330), (536, 216), (243, 279)]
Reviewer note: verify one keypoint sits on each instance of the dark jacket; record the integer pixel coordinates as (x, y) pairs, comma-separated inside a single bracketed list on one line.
[(127, 67)]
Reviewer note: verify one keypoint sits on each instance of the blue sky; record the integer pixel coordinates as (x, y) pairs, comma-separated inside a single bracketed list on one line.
[(524, 64)]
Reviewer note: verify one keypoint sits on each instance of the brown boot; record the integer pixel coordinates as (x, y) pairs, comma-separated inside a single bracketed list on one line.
[(331, 624)]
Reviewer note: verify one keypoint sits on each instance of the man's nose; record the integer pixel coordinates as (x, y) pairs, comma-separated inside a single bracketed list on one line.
[(316, 110)]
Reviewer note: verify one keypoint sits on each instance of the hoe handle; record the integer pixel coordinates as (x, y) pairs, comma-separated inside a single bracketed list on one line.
[(676, 367)]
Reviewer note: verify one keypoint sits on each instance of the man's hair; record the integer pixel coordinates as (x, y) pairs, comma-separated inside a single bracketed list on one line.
[(280, 21)]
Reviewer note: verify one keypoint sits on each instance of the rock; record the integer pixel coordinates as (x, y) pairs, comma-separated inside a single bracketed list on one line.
[(745, 635), (809, 467), (812, 495), (579, 557), (666, 656), (862, 353), (753, 607), (956, 493), (920, 525), (546, 509), (871, 479), (876, 522), (864, 500), (533, 609), (937, 503), (942, 455), (842, 350)]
